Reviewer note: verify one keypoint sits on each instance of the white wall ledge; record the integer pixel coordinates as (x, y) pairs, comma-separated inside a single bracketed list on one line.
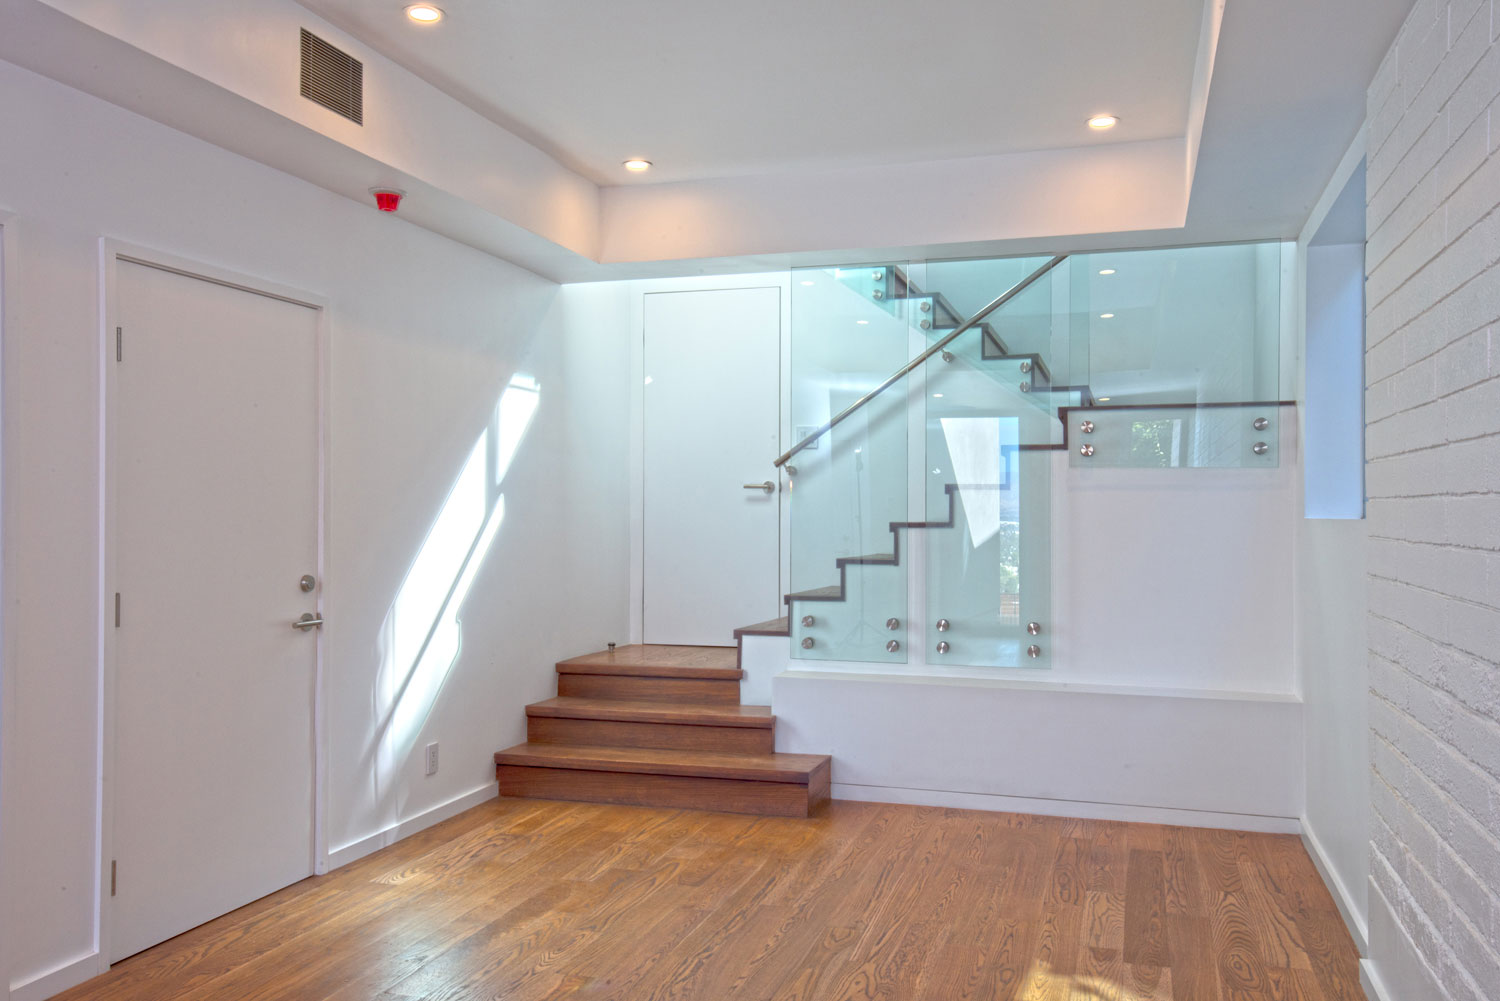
[(862, 673)]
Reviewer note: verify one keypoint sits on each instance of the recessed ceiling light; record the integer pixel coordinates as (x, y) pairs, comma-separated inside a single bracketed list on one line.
[(863, 323), (809, 282), (637, 164), (1101, 122), (1106, 316), (1102, 399), (937, 396), (1107, 271), (424, 13)]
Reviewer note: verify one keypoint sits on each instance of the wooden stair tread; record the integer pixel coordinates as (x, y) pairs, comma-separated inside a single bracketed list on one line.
[(700, 714), (832, 592), (870, 559), (770, 627), (797, 769), (650, 660)]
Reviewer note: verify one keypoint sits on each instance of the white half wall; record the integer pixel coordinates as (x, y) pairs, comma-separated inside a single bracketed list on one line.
[(1225, 761), (425, 335)]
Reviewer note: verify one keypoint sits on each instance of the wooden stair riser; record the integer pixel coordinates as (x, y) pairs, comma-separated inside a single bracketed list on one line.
[(668, 736), (778, 799), (656, 725), (646, 689)]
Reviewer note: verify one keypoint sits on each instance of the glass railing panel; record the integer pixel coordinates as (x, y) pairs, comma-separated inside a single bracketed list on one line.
[(973, 368), (880, 284), (851, 485), (1181, 325), (1037, 323), (988, 505), (856, 626), (1188, 436)]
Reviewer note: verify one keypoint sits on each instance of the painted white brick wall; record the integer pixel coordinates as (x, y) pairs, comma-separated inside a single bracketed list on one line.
[(1433, 443)]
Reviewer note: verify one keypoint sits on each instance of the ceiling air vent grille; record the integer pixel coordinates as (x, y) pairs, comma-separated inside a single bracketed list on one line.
[(333, 78)]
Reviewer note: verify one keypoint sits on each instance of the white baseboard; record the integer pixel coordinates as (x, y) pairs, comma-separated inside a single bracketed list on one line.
[(1068, 808), (406, 828), (1341, 895), (1374, 987), (70, 974)]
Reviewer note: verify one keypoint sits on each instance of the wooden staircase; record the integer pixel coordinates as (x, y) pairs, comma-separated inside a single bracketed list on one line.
[(659, 726)]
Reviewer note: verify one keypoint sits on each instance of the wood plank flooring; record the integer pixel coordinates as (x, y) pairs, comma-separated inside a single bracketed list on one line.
[(526, 899)]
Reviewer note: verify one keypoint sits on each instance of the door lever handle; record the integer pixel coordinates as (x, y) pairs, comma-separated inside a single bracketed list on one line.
[(769, 486), (308, 621)]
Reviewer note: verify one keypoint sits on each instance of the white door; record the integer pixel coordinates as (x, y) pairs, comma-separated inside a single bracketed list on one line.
[(216, 498), (712, 411)]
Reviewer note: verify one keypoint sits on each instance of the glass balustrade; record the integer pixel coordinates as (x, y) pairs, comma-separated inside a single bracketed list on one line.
[(920, 525), (988, 483), (850, 485), (1240, 435), (1184, 325)]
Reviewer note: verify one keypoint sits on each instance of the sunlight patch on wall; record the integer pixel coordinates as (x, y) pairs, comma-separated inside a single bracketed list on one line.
[(422, 635)]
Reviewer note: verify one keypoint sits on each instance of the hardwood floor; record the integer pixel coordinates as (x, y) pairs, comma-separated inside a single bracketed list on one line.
[(527, 899)]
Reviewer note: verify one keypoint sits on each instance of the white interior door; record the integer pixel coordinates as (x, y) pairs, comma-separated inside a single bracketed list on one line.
[(216, 521), (711, 551)]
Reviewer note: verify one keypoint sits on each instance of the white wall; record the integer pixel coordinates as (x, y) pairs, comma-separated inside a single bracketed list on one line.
[(424, 336), (1330, 591), (1432, 435), (1331, 641)]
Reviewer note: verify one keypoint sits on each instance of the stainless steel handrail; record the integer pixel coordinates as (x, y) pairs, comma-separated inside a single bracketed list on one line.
[(967, 325)]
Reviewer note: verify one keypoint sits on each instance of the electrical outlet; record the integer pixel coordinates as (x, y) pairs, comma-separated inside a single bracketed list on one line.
[(432, 758)]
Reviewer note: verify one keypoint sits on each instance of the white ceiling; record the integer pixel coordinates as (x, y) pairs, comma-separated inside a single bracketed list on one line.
[(782, 137), (719, 90)]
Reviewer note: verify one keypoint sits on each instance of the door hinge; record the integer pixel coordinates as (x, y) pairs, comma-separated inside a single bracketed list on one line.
[(119, 344), (113, 872), (117, 609)]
